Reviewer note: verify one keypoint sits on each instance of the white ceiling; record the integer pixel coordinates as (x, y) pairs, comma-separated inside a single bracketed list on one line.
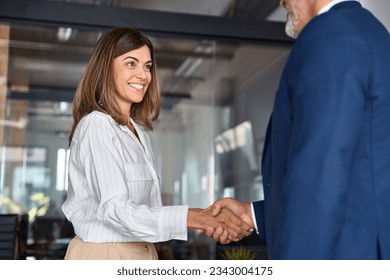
[(380, 8), (201, 7)]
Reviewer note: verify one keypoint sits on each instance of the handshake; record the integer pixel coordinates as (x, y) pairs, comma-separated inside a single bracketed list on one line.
[(226, 220)]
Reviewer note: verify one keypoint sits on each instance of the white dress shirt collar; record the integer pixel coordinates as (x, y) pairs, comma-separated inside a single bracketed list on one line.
[(328, 6)]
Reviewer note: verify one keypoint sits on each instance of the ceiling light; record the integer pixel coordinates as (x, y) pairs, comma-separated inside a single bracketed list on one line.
[(63, 106), (64, 33)]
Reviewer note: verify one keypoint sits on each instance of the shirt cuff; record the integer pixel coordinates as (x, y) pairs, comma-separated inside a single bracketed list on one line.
[(173, 222), (254, 219)]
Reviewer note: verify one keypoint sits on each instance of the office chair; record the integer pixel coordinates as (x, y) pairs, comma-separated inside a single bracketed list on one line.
[(8, 236)]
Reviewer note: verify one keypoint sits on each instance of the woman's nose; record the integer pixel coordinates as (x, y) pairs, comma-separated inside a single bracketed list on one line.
[(141, 73)]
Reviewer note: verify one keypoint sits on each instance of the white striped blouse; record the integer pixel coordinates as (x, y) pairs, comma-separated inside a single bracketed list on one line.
[(114, 192)]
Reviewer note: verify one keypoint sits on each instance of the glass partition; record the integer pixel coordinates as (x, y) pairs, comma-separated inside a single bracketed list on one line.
[(217, 98)]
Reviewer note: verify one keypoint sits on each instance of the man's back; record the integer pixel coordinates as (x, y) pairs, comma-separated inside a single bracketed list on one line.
[(326, 169)]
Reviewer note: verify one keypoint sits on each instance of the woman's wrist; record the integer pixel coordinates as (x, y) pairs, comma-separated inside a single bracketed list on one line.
[(193, 218)]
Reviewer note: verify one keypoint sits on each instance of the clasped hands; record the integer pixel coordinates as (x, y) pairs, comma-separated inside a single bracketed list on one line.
[(226, 220)]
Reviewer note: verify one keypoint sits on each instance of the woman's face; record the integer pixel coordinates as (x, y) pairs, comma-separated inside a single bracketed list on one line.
[(132, 76)]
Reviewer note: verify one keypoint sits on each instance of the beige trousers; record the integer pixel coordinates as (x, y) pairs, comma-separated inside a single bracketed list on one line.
[(80, 250)]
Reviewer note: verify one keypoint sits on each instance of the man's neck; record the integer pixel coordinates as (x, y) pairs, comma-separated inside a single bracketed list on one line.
[(318, 5), (330, 4)]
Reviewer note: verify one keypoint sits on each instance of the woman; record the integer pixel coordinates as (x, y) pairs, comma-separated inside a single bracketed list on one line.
[(114, 199)]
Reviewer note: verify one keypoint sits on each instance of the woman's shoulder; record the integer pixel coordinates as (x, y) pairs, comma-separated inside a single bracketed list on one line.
[(94, 121), (97, 117)]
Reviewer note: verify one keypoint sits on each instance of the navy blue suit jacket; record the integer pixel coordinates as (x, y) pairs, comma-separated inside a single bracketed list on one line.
[(326, 161)]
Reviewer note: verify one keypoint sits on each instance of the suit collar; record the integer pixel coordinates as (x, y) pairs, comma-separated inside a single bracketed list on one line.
[(330, 5)]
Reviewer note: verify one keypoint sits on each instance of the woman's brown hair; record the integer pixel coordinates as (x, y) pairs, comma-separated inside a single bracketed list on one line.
[(96, 88)]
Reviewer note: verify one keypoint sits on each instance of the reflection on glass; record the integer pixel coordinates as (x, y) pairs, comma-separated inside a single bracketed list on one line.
[(237, 155), (62, 169), (25, 171), (216, 101)]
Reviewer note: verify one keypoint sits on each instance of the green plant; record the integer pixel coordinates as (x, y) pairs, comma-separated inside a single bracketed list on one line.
[(238, 253)]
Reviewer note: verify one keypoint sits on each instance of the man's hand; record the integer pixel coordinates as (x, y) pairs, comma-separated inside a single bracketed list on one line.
[(241, 209)]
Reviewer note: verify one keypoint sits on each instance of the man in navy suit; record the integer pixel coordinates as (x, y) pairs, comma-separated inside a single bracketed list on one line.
[(326, 160)]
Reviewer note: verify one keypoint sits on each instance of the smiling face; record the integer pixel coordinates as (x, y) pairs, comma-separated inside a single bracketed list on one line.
[(132, 76)]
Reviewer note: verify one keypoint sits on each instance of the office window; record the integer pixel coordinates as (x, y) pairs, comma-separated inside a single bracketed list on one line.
[(62, 169)]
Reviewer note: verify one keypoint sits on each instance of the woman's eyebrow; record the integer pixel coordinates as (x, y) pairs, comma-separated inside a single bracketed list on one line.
[(132, 57), (136, 59)]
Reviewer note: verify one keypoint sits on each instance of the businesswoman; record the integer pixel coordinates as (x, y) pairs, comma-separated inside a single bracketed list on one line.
[(114, 196)]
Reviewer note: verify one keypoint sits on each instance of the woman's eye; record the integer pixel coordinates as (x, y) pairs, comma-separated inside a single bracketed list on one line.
[(131, 64), (148, 67)]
